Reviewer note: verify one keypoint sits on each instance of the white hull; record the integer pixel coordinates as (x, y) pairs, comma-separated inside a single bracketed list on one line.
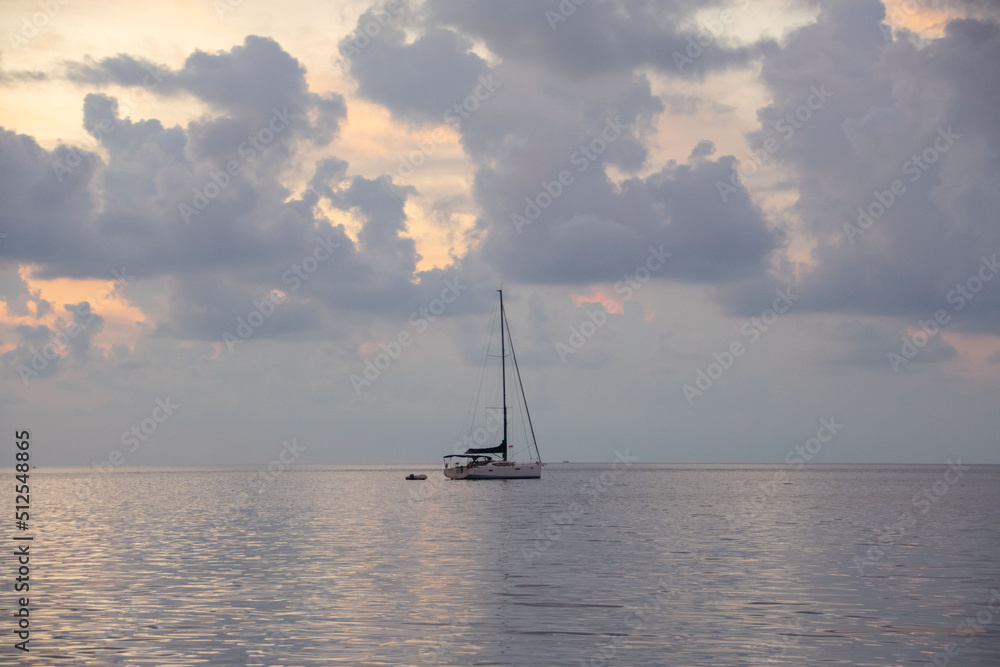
[(495, 470)]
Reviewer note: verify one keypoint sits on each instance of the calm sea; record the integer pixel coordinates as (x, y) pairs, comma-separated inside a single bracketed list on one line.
[(600, 564)]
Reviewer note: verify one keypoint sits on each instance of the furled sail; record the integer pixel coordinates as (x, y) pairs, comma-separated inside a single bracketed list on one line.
[(499, 449)]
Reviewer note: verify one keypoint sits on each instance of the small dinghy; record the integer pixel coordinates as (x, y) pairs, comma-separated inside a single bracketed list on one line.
[(412, 476)]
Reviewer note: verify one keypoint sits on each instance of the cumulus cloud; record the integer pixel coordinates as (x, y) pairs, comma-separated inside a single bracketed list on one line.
[(543, 149), (46, 218), (598, 38), (418, 81), (250, 216), (555, 165), (41, 351), (85, 324), (20, 299), (912, 114), (204, 207), (248, 83), (37, 354)]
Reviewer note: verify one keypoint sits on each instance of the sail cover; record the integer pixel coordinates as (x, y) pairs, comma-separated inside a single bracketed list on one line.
[(499, 449)]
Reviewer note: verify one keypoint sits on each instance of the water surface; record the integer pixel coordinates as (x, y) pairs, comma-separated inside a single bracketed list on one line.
[(596, 565)]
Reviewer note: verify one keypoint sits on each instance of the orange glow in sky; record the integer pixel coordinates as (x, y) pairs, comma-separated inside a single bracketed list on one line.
[(910, 15), (120, 317), (601, 295)]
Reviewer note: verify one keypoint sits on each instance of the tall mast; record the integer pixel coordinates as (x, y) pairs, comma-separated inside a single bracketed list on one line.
[(503, 375)]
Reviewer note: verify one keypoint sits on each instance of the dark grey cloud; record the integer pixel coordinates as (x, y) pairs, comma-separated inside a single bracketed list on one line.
[(601, 36), (250, 83), (915, 112), (868, 344), (43, 352), (85, 324), (122, 69), (381, 203), (328, 173), (208, 304), (47, 216), (17, 296), (203, 208), (543, 144), (122, 137), (37, 355), (223, 169), (596, 232), (19, 76), (419, 81)]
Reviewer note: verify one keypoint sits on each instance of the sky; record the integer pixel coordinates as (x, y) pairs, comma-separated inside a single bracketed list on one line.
[(235, 232)]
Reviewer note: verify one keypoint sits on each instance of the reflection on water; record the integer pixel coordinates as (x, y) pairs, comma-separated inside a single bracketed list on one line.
[(658, 565)]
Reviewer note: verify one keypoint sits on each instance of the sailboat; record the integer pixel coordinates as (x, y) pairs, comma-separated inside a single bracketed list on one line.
[(492, 462)]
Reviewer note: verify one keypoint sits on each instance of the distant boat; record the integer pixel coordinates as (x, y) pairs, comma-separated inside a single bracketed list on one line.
[(412, 476), (491, 462)]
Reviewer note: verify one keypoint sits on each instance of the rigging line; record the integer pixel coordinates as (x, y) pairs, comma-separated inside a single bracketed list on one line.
[(520, 420), (521, 384), (491, 385), (470, 417)]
